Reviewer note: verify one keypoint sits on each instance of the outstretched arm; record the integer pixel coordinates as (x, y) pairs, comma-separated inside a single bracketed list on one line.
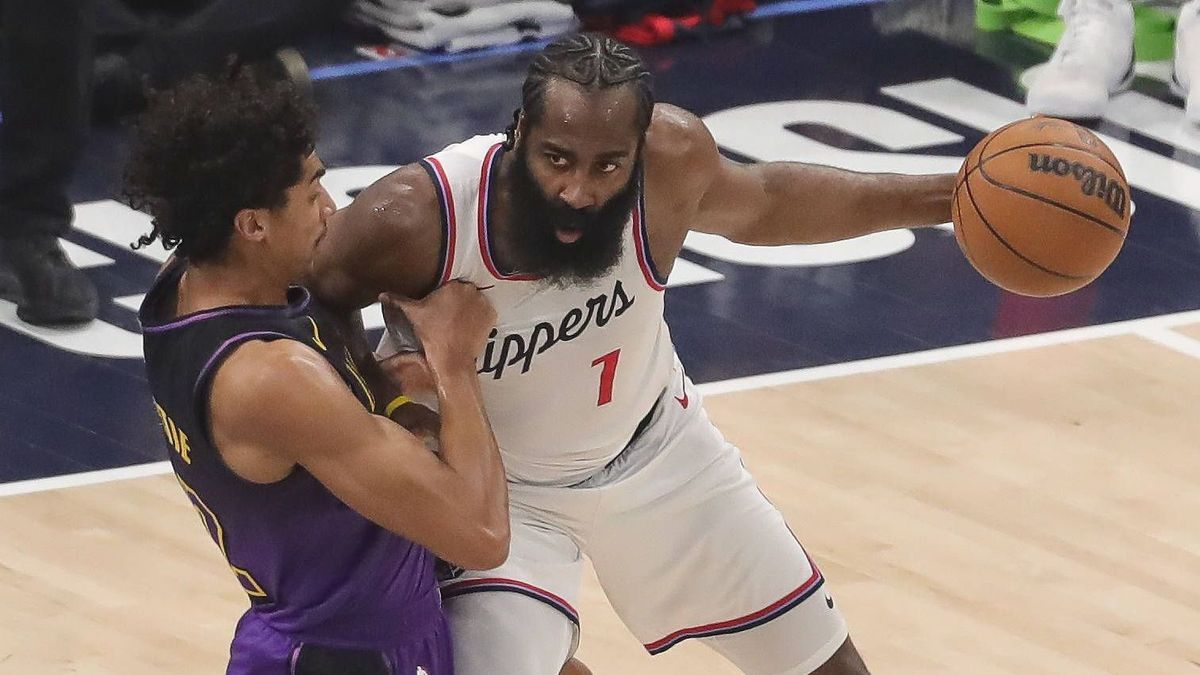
[(789, 202)]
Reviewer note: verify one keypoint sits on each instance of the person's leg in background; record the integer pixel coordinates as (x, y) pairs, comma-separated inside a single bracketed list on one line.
[(1094, 60), (45, 101), (1186, 71), (172, 47), (253, 30)]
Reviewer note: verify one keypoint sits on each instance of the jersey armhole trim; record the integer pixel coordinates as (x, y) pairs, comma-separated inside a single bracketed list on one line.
[(437, 174), (200, 391), (641, 243)]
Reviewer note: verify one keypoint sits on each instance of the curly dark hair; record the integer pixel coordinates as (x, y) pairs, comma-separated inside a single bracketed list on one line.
[(592, 61), (210, 147)]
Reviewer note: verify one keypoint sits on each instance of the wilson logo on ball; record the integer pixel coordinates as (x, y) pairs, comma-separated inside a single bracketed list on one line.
[(1091, 182)]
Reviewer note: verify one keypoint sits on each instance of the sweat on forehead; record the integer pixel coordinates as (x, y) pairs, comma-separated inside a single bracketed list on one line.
[(568, 106)]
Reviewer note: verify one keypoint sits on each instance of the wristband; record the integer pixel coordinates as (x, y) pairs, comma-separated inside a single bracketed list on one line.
[(396, 403)]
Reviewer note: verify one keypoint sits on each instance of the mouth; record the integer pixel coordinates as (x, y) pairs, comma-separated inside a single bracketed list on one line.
[(568, 235)]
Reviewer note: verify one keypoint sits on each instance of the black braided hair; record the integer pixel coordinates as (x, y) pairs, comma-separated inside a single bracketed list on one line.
[(592, 61)]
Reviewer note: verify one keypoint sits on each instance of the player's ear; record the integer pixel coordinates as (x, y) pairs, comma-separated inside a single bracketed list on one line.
[(249, 224), (520, 126)]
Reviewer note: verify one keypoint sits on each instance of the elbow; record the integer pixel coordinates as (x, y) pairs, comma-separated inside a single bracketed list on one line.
[(496, 541), (490, 547)]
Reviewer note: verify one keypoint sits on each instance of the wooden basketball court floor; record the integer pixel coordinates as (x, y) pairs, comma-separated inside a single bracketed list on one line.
[(979, 505), (1026, 505)]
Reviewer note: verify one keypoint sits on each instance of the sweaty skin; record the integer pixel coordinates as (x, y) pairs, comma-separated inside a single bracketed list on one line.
[(390, 237), (582, 150)]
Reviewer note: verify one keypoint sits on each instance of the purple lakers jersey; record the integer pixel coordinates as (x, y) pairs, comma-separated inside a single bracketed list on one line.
[(312, 567)]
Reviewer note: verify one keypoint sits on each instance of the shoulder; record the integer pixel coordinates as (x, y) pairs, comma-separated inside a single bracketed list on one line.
[(409, 197), (259, 370), (268, 390), (274, 402), (388, 239), (677, 135), (680, 151), (400, 204)]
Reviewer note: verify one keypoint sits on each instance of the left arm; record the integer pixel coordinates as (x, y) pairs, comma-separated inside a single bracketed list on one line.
[(404, 374), (775, 203)]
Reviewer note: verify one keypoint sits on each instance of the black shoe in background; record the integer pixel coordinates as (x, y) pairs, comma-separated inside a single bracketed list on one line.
[(53, 291)]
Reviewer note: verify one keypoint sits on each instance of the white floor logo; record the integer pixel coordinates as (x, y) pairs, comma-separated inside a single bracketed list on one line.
[(757, 131)]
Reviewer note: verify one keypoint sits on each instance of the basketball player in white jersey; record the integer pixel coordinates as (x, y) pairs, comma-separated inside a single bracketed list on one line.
[(571, 224)]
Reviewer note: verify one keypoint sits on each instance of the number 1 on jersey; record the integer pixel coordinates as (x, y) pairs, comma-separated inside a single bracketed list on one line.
[(607, 373)]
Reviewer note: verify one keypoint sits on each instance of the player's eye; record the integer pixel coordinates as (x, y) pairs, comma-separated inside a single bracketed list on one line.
[(556, 159)]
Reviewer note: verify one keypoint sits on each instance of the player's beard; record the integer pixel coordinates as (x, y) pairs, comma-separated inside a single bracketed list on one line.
[(537, 250)]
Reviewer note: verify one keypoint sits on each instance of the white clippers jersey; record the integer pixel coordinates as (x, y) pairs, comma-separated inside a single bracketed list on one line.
[(567, 374)]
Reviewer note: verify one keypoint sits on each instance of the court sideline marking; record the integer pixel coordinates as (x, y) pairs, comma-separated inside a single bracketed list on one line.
[(1156, 329)]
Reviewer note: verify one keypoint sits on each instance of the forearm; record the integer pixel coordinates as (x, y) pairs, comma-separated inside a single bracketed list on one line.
[(363, 354), (382, 387), (808, 204), (390, 400), (469, 447)]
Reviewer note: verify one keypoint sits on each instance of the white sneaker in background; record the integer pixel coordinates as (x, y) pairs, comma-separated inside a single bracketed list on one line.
[(1186, 73), (1093, 60)]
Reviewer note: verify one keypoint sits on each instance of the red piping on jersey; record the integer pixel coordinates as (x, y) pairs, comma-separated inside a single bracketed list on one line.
[(754, 619), (485, 245), (448, 217), (456, 588), (642, 245)]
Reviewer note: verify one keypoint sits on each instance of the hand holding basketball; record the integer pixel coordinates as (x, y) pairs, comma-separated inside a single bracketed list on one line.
[(1041, 207)]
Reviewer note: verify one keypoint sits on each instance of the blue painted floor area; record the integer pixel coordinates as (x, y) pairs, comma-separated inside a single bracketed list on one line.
[(62, 412)]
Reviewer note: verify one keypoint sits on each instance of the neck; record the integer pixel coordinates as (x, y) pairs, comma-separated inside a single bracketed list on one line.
[(222, 284), (500, 211)]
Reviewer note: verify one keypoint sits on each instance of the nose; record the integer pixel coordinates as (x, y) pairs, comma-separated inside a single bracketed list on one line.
[(327, 205), (576, 195)]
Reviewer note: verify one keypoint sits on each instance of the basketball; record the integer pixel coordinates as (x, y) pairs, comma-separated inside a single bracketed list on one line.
[(1041, 207)]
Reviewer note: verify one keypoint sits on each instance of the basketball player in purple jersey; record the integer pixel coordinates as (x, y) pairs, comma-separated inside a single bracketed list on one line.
[(328, 513), (571, 224)]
